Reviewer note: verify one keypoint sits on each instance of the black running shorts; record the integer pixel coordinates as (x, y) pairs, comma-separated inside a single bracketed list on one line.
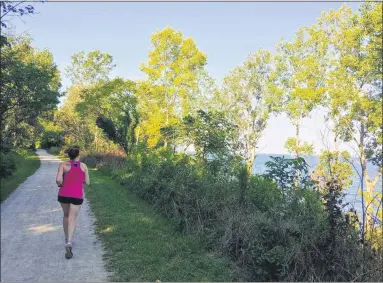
[(75, 201)]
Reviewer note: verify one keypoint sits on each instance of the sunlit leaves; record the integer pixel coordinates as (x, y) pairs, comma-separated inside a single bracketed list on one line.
[(353, 85), (113, 105), (299, 80), (247, 101), (87, 69), (174, 70), (335, 165), (303, 148)]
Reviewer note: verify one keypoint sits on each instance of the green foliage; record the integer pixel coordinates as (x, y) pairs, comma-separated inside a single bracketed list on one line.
[(371, 22), (24, 135), (295, 146), (8, 164), (87, 69), (263, 194), (51, 138), (335, 165), (174, 65), (280, 226), (208, 132), (352, 101), (340, 239), (143, 245), (243, 184), (77, 117), (288, 173), (179, 187), (175, 69), (353, 86), (27, 163), (268, 244), (113, 106), (51, 133), (30, 82), (247, 100), (76, 130), (300, 68), (273, 235), (108, 161), (109, 129), (299, 83)]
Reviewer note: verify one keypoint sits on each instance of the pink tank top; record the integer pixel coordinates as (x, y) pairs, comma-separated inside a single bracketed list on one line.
[(73, 181)]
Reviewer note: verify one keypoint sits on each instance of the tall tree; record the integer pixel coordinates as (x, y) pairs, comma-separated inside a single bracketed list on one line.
[(29, 82), (353, 84), (85, 71), (173, 70), (299, 65), (209, 133), (247, 101), (153, 114), (89, 68), (113, 106)]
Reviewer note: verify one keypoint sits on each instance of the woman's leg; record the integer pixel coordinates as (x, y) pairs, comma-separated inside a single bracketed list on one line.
[(65, 207), (73, 213)]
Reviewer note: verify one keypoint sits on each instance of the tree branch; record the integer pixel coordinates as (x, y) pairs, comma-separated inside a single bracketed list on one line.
[(11, 9), (376, 179)]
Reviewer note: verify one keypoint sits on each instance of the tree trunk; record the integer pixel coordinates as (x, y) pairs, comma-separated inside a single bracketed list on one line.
[(126, 148), (96, 140), (166, 124), (138, 135), (297, 153), (297, 140), (250, 161), (370, 186), (364, 174)]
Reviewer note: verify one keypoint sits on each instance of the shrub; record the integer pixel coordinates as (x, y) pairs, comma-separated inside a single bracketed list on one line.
[(111, 161), (51, 139), (275, 227), (7, 164), (263, 194)]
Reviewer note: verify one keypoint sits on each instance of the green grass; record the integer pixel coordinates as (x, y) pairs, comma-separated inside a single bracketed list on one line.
[(27, 163), (144, 246)]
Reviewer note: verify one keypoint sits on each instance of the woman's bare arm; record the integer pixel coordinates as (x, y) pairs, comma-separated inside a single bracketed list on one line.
[(87, 181), (59, 176)]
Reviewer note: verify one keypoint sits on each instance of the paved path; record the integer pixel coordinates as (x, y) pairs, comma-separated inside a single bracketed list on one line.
[(32, 237)]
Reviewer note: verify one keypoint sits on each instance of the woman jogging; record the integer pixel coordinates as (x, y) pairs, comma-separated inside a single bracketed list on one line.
[(70, 178)]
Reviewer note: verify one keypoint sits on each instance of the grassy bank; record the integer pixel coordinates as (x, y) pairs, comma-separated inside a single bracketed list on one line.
[(27, 163), (272, 233), (143, 246)]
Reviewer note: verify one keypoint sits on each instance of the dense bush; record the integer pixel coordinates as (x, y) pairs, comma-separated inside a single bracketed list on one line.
[(7, 164), (110, 160), (273, 233), (51, 139), (276, 227)]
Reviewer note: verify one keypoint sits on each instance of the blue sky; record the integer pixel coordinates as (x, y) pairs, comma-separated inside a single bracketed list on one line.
[(226, 31)]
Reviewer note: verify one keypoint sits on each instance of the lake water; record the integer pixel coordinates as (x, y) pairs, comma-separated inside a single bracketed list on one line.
[(351, 195)]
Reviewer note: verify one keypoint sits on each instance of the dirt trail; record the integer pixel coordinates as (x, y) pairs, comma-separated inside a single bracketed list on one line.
[(32, 237)]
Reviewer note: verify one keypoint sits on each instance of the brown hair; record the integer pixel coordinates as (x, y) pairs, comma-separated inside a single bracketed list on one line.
[(73, 152)]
